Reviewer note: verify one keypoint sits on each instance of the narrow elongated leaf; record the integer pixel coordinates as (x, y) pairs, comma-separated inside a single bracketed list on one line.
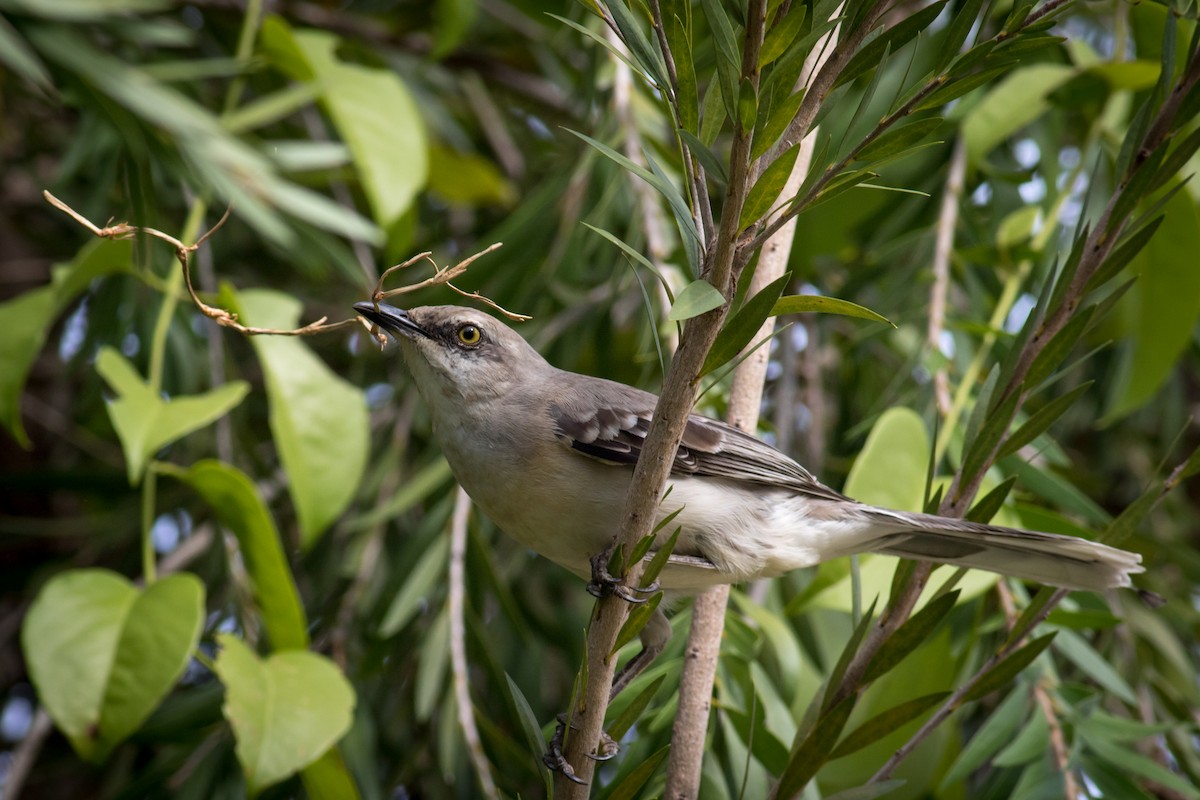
[(232, 496), (285, 711), (1058, 348), (957, 31), (633, 712), (996, 731), (886, 722), (529, 727), (990, 433), (1076, 649), (773, 124), (697, 298), (635, 39), (145, 422), (782, 34), (814, 751), (729, 59), (1129, 760), (891, 39), (839, 669), (687, 98), (990, 505), (708, 159), (1011, 105), (1046, 416), (765, 192), (318, 419), (1008, 668), (909, 636), (428, 573), (745, 322), (954, 89), (899, 139), (636, 621), (103, 653), (631, 786), (820, 304)]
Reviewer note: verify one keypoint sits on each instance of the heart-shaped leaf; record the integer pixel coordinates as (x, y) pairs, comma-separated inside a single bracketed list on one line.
[(145, 422), (103, 653), (286, 710), (318, 419)]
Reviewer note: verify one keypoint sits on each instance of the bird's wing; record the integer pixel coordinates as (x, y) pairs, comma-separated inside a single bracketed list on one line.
[(610, 424)]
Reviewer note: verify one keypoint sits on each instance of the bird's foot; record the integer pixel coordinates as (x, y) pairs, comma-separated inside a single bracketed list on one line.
[(604, 583), (554, 759)]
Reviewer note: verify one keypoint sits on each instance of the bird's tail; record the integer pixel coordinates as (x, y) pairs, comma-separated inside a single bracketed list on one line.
[(1049, 558)]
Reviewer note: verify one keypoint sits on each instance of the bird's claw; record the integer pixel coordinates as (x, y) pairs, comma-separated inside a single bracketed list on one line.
[(604, 583), (557, 762), (554, 759), (607, 750)]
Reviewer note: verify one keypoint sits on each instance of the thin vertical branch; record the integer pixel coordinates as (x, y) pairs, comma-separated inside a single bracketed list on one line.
[(943, 248), (458, 644), (690, 728), (662, 441)]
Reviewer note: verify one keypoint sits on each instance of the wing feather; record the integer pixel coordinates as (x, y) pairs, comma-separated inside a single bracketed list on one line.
[(608, 422)]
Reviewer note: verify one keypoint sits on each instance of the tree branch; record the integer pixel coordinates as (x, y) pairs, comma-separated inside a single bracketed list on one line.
[(662, 440)]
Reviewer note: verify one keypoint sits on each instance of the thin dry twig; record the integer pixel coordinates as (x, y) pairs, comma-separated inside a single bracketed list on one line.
[(228, 319)]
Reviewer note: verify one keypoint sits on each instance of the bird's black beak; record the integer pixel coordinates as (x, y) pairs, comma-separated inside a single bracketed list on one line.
[(395, 321)]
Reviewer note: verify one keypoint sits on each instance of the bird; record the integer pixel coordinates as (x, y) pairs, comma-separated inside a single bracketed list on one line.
[(548, 455)]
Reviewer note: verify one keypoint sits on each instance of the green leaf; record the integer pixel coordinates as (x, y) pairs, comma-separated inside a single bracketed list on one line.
[(782, 34), (819, 304), (1128, 760), (1076, 650), (886, 722), (713, 167), (1037, 424), (891, 40), (909, 636), (468, 179), (373, 111), (992, 502), (1015, 102), (26, 319), (776, 121), (890, 469), (868, 791), (633, 254), (231, 494), (428, 573), (997, 731), (741, 327), (529, 726), (285, 710), (1008, 668), (432, 661), (1032, 742), (636, 621), (957, 31), (318, 419), (764, 194), (1059, 347), (16, 53), (954, 89), (631, 786), (814, 751), (698, 297), (679, 39), (145, 422), (994, 426), (103, 653), (1165, 305), (1017, 227), (635, 39), (899, 139), (633, 712), (327, 778), (729, 59)]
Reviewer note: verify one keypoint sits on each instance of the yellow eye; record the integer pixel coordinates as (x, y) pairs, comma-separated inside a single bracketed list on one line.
[(469, 335)]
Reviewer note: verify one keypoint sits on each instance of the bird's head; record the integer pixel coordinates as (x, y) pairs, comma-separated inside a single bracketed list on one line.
[(459, 353)]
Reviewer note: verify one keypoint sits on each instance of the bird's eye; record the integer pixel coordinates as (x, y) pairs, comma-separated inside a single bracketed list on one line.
[(469, 335)]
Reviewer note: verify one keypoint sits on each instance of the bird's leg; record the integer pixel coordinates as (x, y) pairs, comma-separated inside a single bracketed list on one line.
[(604, 583), (654, 638)]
